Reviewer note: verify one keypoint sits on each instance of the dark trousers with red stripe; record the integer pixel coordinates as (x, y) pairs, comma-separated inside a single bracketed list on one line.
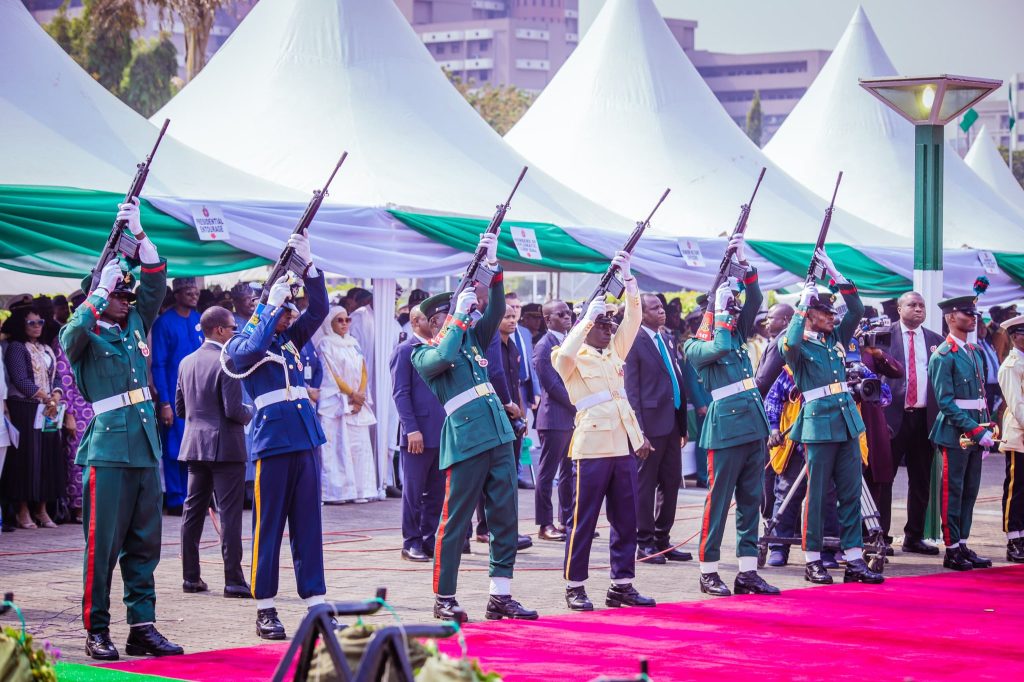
[(1013, 493), (961, 479), (121, 516), (554, 459), (738, 471), (492, 473), (839, 462), (611, 480)]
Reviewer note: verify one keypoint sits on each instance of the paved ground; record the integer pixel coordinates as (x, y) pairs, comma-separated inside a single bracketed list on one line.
[(361, 543)]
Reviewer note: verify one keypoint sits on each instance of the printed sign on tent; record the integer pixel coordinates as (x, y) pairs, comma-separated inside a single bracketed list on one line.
[(690, 251), (988, 261), (525, 240), (209, 222)]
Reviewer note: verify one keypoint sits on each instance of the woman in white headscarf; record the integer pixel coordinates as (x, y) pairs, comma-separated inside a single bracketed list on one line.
[(349, 469)]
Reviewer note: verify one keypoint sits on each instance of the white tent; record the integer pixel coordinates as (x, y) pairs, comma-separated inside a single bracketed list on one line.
[(628, 115), (839, 125), (298, 82), (985, 160)]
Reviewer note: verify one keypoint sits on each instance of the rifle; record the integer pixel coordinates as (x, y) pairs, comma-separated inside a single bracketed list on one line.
[(121, 241), (816, 270), (610, 283), (289, 261), (728, 267)]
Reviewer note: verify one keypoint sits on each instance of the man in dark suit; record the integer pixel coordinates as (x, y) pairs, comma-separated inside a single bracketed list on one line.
[(213, 446), (555, 423), (912, 413), (654, 386), (421, 417)]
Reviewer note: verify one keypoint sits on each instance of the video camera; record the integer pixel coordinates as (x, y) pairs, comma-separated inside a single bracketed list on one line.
[(864, 389), (875, 332)]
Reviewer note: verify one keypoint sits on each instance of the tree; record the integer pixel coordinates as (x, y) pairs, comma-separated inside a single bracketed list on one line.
[(147, 82), (197, 17), (501, 106), (100, 39), (754, 119), (1018, 162)]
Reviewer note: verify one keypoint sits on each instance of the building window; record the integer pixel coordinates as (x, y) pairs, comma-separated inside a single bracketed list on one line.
[(456, 48), (440, 48), (484, 45), (484, 76)]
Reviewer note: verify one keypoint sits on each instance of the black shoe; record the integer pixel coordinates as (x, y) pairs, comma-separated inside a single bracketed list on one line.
[(711, 583), (814, 572), (99, 646), (483, 537), (414, 554), (649, 555), (393, 492), (576, 599), (626, 595), (675, 554), (466, 548), (955, 560), (919, 546), (174, 511), (523, 542), (193, 587), (237, 592), (526, 485), (268, 625), (976, 561), (445, 608), (144, 640), (1015, 551), (549, 532), (749, 582), (828, 560), (504, 606), (428, 549), (857, 571)]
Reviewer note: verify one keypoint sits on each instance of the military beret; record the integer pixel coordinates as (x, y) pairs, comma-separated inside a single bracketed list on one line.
[(438, 303), (962, 304)]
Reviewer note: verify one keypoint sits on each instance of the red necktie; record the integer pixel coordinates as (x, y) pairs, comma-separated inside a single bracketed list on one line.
[(911, 372)]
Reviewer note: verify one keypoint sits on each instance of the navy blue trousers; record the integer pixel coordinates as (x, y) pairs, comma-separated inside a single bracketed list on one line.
[(554, 459), (422, 497), (611, 480), (287, 489)]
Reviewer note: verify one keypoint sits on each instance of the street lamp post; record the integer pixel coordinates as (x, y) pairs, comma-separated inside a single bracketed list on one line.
[(929, 103)]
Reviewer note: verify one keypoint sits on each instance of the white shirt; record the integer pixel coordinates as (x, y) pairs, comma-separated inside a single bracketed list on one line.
[(920, 362), (560, 336)]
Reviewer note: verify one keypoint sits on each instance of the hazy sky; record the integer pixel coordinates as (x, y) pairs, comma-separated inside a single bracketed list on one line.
[(966, 37)]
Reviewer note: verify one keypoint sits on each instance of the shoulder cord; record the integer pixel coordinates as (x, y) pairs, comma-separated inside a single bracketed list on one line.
[(271, 357)]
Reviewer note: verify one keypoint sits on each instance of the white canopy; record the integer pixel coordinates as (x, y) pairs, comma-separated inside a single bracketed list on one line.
[(985, 160), (839, 125), (628, 115), (298, 82)]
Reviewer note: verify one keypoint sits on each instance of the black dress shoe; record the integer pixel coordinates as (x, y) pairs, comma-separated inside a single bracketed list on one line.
[(577, 600), (268, 625), (237, 592), (99, 646), (444, 608), (976, 561), (750, 582), (504, 606), (649, 555), (919, 546), (626, 595), (414, 554), (675, 554), (815, 573), (550, 533), (711, 583), (523, 542), (1015, 551), (526, 485), (955, 560), (428, 549), (482, 537), (857, 571), (145, 640), (393, 492), (193, 587)]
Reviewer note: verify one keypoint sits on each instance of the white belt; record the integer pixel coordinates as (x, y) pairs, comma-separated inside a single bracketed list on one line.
[(466, 397), (586, 402), (133, 397), (825, 391), (281, 395), (972, 404), (733, 389)]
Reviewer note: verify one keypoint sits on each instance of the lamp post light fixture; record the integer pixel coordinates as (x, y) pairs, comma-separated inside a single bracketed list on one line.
[(929, 102)]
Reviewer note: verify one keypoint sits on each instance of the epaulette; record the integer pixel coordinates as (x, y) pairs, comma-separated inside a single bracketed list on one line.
[(944, 349)]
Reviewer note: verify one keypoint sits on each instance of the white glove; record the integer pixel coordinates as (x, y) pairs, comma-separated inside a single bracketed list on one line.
[(595, 310), (279, 292), (109, 275), (810, 293), (986, 440), (130, 212), (467, 299), (722, 296), (489, 241), (830, 267), (300, 244), (739, 243), (622, 261)]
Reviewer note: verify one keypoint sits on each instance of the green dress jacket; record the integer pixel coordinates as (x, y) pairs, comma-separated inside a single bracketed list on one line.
[(816, 362), (110, 361), (955, 372), (739, 418), (452, 365)]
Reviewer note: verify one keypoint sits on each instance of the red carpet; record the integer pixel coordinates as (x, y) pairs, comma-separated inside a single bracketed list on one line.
[(926, 628)]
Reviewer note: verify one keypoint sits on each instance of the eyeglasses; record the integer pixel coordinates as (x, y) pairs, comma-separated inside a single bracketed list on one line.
[(562, 313), (341, 320), (232, 327), (36, 323)]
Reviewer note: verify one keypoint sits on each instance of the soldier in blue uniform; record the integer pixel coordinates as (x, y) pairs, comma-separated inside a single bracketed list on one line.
[(285, 435)]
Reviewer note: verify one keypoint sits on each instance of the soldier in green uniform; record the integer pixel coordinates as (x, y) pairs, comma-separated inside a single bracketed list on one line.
[(105, 342), (956, 374), (828, 424), (476, 441), (734, 435)]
